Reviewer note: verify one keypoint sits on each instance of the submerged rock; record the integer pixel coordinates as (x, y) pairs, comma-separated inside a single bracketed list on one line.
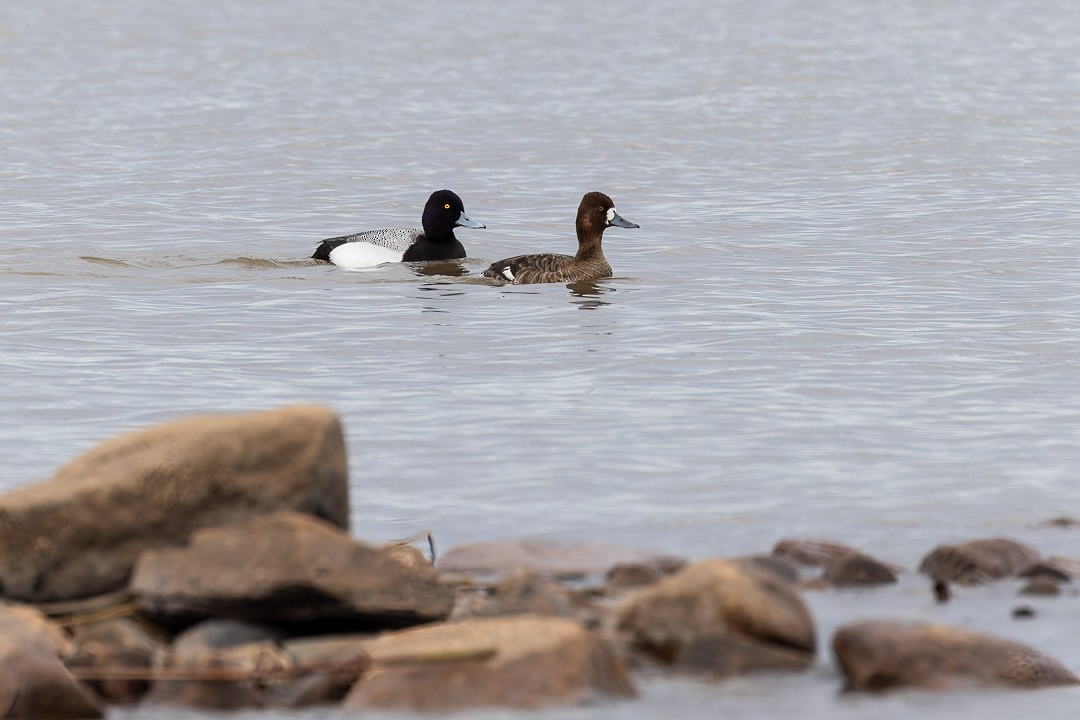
[(879, 655), (288, 568), (34, 683), (720, 616), (116, 643), (551, 559), (79, 533), (858, 570), (1041, 586), (520, 593), (978, 561), (813, 553), (220, 665), (521, 661)]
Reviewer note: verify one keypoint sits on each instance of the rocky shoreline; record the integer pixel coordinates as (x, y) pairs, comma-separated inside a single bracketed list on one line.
[(207, 563)]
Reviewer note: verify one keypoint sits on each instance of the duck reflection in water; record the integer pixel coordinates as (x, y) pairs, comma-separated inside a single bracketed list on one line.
[(590, 291), (450, 268)]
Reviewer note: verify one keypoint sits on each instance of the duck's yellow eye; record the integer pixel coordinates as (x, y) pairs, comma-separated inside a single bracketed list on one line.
[(447, 206)]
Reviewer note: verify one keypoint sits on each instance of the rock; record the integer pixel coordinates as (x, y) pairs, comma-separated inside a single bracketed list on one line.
[(1056, 568), (110, 644), (858, 570), (329, 666), (812, 552), (520, 661), (632, 575), (782, 567), (551, 559), (978, 561), (1023, 612), (79, 533), (878, 655), (522, 592), (719, 616), (1061, 521), (1041, 586), (288, 568), (30, 627), (220, 665), (33, 680)]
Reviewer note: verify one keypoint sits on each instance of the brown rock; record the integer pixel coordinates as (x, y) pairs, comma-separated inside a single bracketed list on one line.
[(561, 560), (782, 567), (978, 561), (79, 533), (812, 552), (1062, 521), (858, 570), (220, 665), (1055, 568), (1041, 586), (288, 568), (33, 681), (721, 616), (522, 592), (632, 575), (30, 627), (327, 669), (521, 661), (118, 643), (878, 655)]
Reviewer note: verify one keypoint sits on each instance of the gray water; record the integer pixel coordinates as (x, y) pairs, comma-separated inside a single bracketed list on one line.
[(850, 311)]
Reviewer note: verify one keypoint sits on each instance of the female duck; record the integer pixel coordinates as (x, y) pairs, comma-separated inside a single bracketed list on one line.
[(594, 215), (444, 211)]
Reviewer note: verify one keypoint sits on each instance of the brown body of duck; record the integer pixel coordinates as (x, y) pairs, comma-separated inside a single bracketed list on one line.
[(595, 214)]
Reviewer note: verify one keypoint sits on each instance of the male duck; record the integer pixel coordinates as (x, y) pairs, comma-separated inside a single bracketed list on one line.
[(444, 211), (594, 215)]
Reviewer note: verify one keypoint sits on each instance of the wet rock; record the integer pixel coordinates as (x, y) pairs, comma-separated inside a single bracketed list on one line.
[(288, 568), (33, 680), (328, 665), (116, 643), (1023, 612), (1041, 586), (79, 533), (942, 593), (812, 552), (551, 559), (631, 575), (858, 570), (327, 685), (719, 616), (522, 592), (1055, 568), (782, 567), (1062, 522), (978, 561), (879, 655), (220, 665), (520, 661), (28, 626)]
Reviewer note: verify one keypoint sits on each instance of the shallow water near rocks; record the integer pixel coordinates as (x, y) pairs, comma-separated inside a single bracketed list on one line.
[(850, 310)]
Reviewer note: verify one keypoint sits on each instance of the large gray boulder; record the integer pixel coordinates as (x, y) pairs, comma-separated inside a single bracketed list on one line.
[(288, 568), (79, 533)]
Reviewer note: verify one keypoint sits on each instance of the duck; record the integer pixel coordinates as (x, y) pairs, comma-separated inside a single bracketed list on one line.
[(443, 212), (595, 214)]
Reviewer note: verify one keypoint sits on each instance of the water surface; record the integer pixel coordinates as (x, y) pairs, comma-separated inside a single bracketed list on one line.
[(850, 311)]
